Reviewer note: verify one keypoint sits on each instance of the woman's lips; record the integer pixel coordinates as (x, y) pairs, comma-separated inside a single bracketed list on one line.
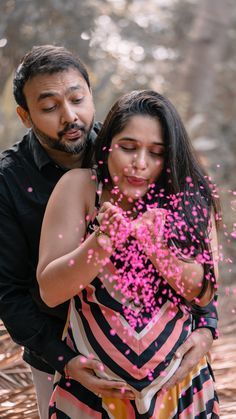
[(136, 181)]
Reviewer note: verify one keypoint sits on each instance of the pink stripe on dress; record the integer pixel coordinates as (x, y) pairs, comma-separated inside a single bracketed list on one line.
[(121, 359), (199, 399), (64, 396), (151, 335)]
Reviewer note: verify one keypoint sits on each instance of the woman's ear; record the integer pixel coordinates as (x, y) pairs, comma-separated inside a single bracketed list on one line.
[(24, 116)]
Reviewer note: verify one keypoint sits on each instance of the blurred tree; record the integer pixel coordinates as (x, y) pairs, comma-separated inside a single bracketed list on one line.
[(184, 48), (117, 39)]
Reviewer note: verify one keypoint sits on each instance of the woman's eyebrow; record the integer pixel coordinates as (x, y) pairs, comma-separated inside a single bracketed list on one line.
[(136, 141)]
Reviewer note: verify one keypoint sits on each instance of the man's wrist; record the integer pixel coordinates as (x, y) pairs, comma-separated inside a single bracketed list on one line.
[(58, 354), (206, 323)]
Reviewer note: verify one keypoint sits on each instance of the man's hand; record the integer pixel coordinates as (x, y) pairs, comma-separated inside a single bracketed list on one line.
[(191, 351), (83, 370)]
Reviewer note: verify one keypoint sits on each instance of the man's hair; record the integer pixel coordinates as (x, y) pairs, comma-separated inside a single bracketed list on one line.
[(44, 59)]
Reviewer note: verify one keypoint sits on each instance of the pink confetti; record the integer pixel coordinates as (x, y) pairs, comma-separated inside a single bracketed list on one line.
[(164, 232)]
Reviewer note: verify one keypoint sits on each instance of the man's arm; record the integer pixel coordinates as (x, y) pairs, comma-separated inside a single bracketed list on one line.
[(26, 324), (191, 351), (199, 343), (206, 317)]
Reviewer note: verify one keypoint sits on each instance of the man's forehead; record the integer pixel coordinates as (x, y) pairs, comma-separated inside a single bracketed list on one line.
[(51, 93), (57, 83)]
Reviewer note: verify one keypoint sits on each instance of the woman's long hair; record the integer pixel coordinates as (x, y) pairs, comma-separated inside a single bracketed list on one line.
[(183, 188)]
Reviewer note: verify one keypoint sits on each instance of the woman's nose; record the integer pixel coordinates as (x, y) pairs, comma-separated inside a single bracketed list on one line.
[(140, 160)]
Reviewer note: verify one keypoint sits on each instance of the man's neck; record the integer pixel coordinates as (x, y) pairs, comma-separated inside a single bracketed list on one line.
[(63, 159)]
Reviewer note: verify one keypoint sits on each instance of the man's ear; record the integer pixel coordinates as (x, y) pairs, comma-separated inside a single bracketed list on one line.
[(24, 116)]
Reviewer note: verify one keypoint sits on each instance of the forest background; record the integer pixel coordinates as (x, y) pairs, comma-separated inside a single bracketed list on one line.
[(185, 49)]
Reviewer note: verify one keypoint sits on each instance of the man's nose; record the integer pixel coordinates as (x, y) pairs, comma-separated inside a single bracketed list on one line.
[(68, 114)]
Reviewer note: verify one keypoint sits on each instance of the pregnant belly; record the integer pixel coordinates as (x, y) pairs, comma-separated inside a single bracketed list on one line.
[(139, 357)]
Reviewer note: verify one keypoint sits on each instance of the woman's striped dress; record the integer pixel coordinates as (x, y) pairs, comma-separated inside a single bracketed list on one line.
[(143, 356)]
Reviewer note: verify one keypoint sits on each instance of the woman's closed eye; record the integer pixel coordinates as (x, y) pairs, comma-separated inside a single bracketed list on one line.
[(127, 147), (157, 153)]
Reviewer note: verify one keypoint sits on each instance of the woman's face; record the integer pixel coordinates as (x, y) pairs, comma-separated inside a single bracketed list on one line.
[(136, 158)]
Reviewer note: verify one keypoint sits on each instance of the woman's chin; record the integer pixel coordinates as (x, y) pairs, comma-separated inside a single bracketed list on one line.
[(134, 195)]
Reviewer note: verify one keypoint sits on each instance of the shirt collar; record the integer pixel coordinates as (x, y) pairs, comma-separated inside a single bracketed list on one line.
[(40, 156)]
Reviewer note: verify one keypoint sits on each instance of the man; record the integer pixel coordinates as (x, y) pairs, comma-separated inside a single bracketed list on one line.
[(54, 99)]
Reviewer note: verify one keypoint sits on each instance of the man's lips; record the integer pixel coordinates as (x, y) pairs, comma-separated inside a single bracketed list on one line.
[(136, 181), (73, 134)]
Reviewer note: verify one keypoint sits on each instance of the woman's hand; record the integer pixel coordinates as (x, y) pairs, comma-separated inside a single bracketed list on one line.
[(149, 229), (113, 223)]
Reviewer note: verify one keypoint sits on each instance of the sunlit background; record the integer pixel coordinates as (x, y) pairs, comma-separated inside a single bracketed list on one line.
[(185, 49)]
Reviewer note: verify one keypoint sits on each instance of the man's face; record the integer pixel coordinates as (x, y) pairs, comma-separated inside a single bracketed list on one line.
[(60, 110)]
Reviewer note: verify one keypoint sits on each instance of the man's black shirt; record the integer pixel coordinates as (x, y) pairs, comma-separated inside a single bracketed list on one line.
[(27, 178)]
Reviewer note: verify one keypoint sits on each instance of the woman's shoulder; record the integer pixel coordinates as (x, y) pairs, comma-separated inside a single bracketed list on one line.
[(79, 173), (76, 187), (78, 178), (74, 192)]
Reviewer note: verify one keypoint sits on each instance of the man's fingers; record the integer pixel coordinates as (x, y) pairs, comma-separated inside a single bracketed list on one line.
[(179, 375), (185, 367), (119, 394), (109, 388), (91, 364), (184, 348), (84, 370), (173, 380), (191, 351)]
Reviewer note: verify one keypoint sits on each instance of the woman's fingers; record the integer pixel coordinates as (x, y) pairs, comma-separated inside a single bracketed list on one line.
[(108, 206), (109, 218)]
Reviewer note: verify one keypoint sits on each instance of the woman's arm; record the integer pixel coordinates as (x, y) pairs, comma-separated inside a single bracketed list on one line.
[(67, 262), (186, 278)]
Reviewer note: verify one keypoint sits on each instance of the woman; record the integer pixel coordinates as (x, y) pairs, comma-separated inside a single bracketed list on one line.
[(133, 245)]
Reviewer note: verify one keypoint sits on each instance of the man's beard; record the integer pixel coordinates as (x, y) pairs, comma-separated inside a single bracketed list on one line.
[(69, 147)]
